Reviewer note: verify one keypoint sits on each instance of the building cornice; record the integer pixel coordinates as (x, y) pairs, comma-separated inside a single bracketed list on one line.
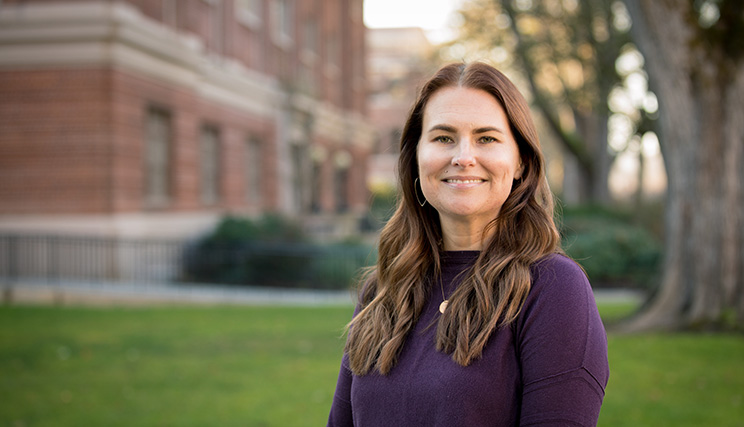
[(75, 35), (334, 124), (117, 35)]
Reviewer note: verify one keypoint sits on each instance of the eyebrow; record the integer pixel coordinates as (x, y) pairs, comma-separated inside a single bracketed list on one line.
[(451, 129)]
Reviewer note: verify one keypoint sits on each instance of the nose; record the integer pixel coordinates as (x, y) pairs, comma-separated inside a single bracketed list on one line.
[(464, 156)]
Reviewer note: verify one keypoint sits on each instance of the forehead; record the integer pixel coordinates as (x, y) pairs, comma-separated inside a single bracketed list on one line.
[(462, 105)]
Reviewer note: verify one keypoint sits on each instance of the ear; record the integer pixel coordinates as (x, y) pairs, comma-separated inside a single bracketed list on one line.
[(520, 169)]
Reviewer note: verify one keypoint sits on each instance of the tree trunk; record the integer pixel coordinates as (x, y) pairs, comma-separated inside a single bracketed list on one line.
[(593, 130), (701, 98), (585, 180)]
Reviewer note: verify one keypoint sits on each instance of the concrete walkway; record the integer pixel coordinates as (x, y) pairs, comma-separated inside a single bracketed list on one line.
[(117, 293)]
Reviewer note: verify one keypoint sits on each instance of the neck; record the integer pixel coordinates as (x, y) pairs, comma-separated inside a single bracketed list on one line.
[(462, 236)]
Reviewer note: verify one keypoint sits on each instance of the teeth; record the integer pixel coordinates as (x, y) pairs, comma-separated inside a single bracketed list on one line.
[(464, 181)]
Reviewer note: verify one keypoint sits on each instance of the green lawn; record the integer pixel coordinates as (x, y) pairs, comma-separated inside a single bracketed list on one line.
[(271, 366)]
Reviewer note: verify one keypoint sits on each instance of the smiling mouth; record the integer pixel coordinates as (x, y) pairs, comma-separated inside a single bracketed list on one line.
[(463, 181)]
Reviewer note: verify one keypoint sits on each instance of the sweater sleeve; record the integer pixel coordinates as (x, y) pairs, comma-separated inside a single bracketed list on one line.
[(340, 414), (562, 347)]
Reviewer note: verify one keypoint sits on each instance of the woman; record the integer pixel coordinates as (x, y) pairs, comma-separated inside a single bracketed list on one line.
[(471, 316)]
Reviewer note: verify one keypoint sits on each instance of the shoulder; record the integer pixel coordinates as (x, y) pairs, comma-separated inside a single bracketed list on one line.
[(556, 266), (559, 328), (558, 274), (560, 292)]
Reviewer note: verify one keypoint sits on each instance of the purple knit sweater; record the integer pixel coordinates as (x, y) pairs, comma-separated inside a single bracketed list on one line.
[(549, 368)]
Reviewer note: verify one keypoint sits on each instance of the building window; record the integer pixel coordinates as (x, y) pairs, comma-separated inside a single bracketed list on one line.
[(209, 165), (283, 21), (157, 157), (308, 58), (250, 12), (340, 189), (252, 169), (310, 42), (217, 27), (315, 203), (299, 157), (342, 161), (333, 47)]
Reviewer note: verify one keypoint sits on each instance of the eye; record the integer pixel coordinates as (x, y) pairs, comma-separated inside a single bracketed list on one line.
[(444, 139), (487, 139)]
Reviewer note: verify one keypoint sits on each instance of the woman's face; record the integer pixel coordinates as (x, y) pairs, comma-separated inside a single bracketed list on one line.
[(467, 155)]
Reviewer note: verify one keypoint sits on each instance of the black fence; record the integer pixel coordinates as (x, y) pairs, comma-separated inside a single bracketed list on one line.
[(50, 259)]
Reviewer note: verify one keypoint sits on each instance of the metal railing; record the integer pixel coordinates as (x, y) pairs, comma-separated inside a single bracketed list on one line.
[(50, 259)]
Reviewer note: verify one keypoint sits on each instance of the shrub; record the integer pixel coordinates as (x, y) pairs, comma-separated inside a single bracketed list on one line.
[(340, 265), (382, 206), (611, 248), (271, 251)]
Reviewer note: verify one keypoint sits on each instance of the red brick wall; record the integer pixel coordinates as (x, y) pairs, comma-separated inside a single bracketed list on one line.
[(71, 141), (54, 141), (255, 47), (189, 113)]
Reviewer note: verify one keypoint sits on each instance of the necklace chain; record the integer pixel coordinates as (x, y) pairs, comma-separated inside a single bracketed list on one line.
[(445, 301)]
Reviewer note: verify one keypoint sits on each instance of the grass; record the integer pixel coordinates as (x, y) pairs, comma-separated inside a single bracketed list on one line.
[(680, 379), (225, 366), (272, 366)]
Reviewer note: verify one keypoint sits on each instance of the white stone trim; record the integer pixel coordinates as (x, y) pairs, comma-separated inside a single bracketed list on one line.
[(333, 124), (116, 34), (156, 225)]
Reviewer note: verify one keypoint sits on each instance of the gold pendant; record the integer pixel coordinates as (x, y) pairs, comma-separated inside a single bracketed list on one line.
[(443, 306)]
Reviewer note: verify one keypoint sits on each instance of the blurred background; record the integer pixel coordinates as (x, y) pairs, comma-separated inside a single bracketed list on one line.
[(169, 141), (218, 151)]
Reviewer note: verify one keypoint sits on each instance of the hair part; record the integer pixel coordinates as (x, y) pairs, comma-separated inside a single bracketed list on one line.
[(394, 292)]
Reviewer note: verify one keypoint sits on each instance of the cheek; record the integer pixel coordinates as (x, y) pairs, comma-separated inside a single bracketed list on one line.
[(428, 161), (511, 166), (504, 168)]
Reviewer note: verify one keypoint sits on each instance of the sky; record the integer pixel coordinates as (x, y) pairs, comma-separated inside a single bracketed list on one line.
[(434, 16)]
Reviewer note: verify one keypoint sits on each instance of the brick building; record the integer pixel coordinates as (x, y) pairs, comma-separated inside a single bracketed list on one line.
[(156, 117), (395, 71)]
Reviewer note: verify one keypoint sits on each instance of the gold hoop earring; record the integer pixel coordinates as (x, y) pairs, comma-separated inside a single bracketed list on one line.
[(415, 191)]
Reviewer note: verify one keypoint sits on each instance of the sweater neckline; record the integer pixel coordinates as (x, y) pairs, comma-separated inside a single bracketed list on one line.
[(459, 257)]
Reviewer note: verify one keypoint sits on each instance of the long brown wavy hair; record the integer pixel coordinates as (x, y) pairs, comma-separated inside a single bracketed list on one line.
[(394, 292)]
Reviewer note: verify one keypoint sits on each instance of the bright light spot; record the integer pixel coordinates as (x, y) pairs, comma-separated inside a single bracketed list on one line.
[(621, 129), (426, 14), (620, 102), (570, 5), (624, 173), (457, 51), (629, 61), (623, 179), (502, 21), (620, 17), (651, 103), (523, 4), (600, 30), (637, 87), (634, 145), (499, 54), (650, 144), (709, 14)]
